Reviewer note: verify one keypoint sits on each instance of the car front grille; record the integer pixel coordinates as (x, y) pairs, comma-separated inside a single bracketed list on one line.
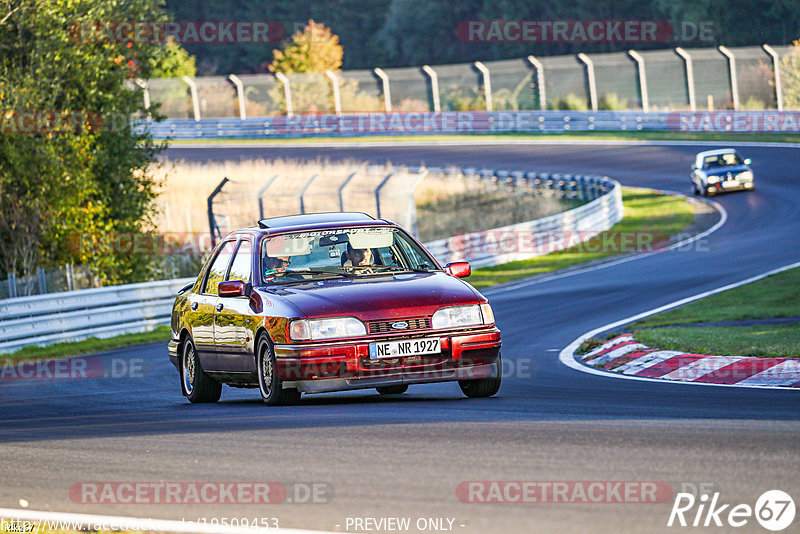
[(415, 324)]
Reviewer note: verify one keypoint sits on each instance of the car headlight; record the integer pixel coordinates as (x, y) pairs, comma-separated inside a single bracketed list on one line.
[(317, 329), (713, 179), (746, 175), (457, 316)]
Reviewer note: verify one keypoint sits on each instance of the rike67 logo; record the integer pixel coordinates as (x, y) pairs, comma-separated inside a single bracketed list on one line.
[(774, 510)]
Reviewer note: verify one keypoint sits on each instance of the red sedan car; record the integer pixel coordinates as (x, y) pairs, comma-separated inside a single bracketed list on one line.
[(330, 302)]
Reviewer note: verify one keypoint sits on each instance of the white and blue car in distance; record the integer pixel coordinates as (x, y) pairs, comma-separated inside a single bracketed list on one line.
[(719, 171)]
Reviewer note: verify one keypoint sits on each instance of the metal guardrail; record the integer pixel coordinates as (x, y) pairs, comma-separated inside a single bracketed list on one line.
[(411, 123), (75, 315), (502, 245), (109, 311)]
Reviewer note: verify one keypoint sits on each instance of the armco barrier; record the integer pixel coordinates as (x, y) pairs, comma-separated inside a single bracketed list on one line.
[(409, 123), (74, 315), (501, 245), (109, 311)]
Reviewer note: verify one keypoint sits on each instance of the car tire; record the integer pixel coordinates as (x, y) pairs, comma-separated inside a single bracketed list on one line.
[(483, 387), (196, 385), (393, 390), (269, 383)]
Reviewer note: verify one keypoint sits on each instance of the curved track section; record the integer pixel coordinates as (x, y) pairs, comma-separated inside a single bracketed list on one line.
[(405, 457)]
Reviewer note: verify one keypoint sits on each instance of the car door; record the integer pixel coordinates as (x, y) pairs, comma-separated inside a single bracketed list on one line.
[(204, 307), (232, 320)]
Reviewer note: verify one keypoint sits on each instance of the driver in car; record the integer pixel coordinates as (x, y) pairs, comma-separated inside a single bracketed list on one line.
[(276, 264), (358, 257)]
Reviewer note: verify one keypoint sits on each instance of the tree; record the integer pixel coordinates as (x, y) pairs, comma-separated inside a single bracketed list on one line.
[(313, 49), (90, 178), (790, 77)]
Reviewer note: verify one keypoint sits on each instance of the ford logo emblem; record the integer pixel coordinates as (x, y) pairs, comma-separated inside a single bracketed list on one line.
[(400, 325)]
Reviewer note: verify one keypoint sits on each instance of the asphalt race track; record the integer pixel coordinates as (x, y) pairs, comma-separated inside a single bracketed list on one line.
[(405, 456)]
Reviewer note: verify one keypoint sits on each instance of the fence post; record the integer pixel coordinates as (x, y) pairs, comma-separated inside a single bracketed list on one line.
[(341, 190), (337, 97), (42, 280), (487, 83), (261, 196), (687, 61), (378, 192), (387, 94), (12, 285), (287, 92), (539, 81), (145, 94), (427, 69), (70, 277), (303, 192), (412, 204), (212, 223), (732, 69), (590, 76), (239, 94), (776, 67), (642, 79), (195, 96)]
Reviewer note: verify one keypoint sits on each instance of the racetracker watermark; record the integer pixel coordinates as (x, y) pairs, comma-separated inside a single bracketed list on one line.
[(136, 243), (80, 368), (582, 31), (476, 244), (208, 492), (734, 121), (33, 122), (420, 122), (298, 369), (564, 492), (182, 32)]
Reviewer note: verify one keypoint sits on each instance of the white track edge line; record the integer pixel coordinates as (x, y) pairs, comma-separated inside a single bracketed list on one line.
[(567, 355), (716, 205), (142, 524)]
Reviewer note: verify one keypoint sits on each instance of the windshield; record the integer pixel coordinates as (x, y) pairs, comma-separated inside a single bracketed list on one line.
[(341, 253), (722, 160)]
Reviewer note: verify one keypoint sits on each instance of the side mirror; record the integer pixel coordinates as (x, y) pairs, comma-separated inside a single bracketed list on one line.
[(232, 288), (459, 269), (694, 167), (748, 161)]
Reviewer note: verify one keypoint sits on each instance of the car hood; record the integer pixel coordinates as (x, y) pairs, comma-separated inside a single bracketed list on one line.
[(722, 171), (376, 296)]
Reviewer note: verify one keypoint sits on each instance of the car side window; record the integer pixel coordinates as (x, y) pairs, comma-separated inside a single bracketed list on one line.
[(219, 268), (242, 262)]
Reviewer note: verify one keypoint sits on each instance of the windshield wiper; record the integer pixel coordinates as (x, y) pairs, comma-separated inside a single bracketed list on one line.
[(396, 268)]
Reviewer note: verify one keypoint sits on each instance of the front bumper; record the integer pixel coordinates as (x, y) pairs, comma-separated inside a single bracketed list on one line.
[(742, 185), (322, 367), (172, 349)]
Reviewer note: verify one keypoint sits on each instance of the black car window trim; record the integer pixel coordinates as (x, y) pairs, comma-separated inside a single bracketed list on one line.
[(434, 265), (235, 241), (239, 244)]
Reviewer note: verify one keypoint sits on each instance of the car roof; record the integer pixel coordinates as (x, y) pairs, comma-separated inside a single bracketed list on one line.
[(716, 152), (314, 221), (314, 218)]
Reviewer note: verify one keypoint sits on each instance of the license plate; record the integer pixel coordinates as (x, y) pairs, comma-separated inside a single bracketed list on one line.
[(730, 183), (406, 347)]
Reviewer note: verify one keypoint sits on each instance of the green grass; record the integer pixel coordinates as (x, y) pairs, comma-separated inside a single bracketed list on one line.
[(645, 212), (766, 341), (87, 346), (775, 296), (512, 136)]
